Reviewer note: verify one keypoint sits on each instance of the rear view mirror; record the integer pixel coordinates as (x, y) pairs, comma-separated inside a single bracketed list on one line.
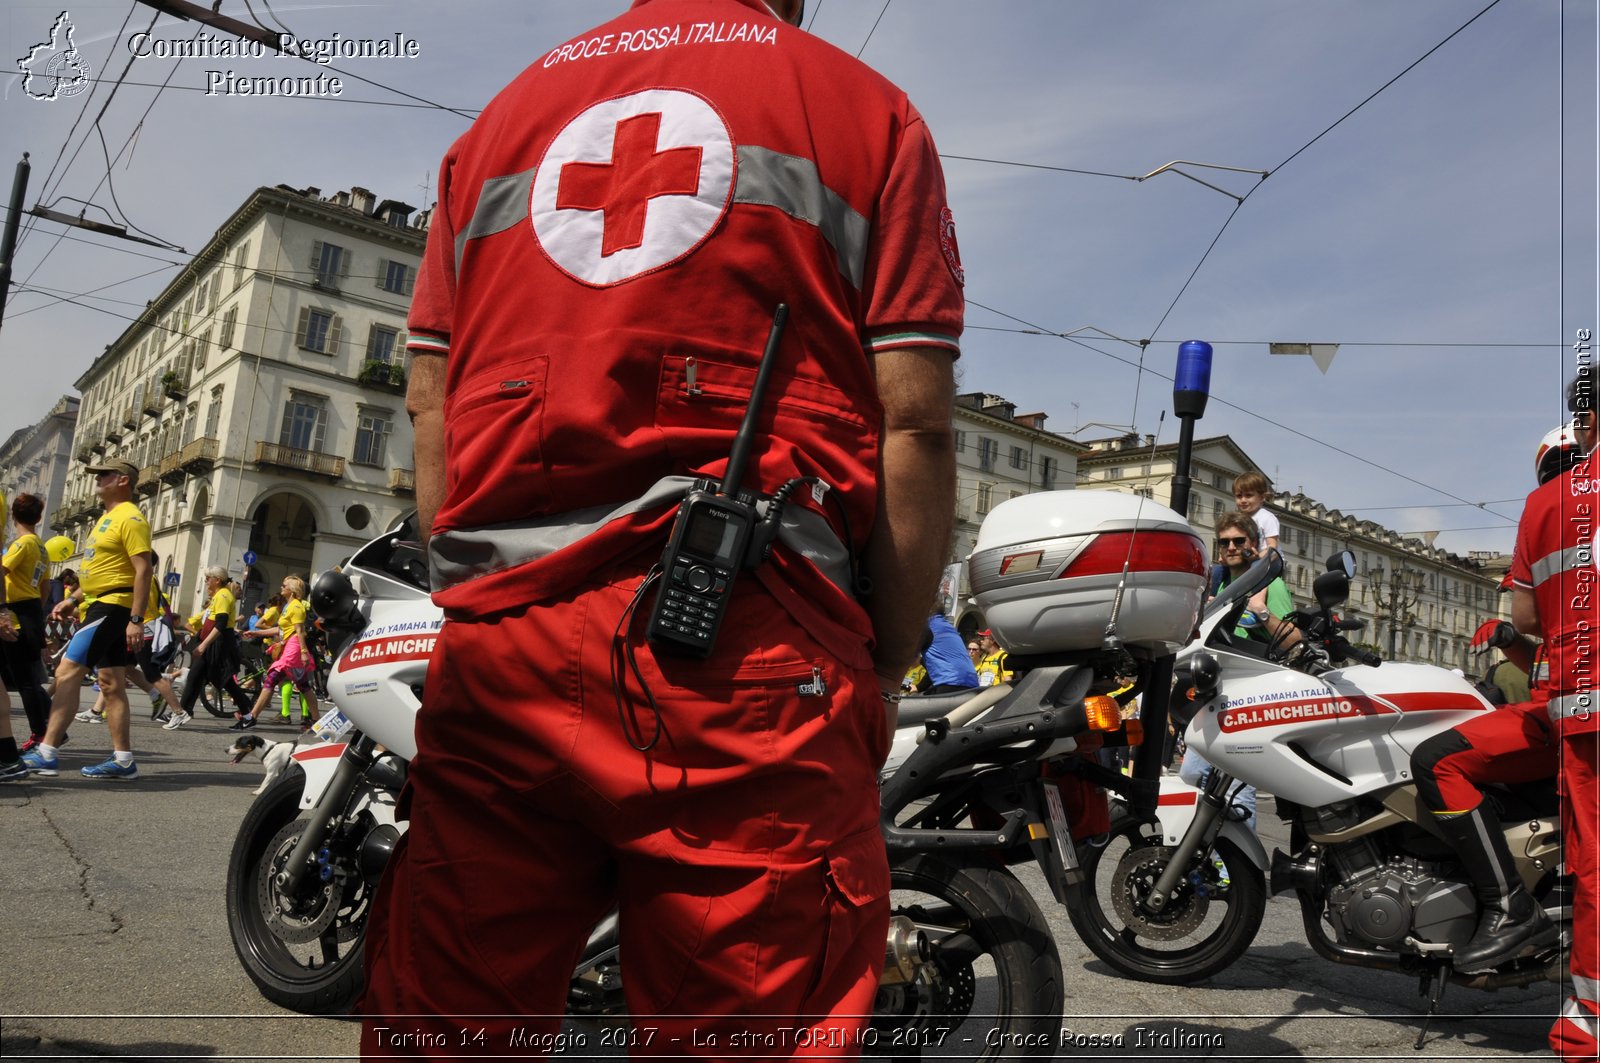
[(1331, 589), (1343, 561)]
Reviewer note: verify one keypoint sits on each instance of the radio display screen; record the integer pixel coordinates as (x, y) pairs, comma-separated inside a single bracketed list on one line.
[(710, 537)]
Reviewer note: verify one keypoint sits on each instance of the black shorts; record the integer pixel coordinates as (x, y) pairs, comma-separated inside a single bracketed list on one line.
[(102, 639), (19, 661), (151, 670)]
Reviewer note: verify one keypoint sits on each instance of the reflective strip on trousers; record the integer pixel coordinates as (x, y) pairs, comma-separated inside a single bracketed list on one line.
[(1573, 706), (1582, 1018), (464, 554)]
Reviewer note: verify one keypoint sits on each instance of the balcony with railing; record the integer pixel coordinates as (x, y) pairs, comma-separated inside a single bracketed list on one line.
[(149, 479), (199, 456), (310, 462), (403, 481), (130, 417)]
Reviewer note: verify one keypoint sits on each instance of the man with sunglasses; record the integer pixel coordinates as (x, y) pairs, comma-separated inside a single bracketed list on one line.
[(116, 573), (1238, 541)]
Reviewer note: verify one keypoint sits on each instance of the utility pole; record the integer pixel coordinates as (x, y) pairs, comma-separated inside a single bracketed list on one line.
[(8, 240)]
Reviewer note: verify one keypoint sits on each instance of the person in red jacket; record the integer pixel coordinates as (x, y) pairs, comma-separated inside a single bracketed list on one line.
[(1513, 744), (611, 241), (1554, 581)]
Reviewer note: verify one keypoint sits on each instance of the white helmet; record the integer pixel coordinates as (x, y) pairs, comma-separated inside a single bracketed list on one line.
[(1558, 451)]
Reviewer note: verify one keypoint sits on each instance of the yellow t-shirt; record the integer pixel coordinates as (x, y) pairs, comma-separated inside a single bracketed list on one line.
[(25, 566), (292, 619), (269, 618), (107, 563), (223, 608)]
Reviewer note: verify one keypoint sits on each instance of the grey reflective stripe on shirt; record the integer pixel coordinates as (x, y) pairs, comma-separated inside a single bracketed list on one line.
[(466, 554), (766, 178), (1561, 561), (502, 204), (792, 185), (1573, 705)]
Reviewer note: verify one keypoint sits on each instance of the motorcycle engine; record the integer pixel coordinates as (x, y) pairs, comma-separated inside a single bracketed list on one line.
[(1382, 901)]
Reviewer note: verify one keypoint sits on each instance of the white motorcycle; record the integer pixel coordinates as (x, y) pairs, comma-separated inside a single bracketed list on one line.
[(1177, 897), (967, 790)]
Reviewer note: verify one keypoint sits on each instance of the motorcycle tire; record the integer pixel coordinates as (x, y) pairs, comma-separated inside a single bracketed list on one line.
[(997, 973), (310, 962), (1185, 944)]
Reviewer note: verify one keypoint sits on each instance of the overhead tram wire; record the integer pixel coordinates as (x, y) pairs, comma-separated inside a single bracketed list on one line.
[(874, 28), (1509, 345), (1307, 145), (1042, 331), (109, 163)]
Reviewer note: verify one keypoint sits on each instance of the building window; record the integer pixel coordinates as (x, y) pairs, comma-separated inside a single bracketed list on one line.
[(329, 262), (304, 422), (239, 259), (1047, 474), (372, 435), (190, 417), (1216, 510), (988, 452), (214, 414), (961, 440), (1114, 473), (396, 277), (1144, 492), (1019, 458), (230, 317), (985, 497), (319, 330), (381, 344)]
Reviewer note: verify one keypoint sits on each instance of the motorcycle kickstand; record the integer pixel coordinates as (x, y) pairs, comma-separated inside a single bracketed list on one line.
[(1433, 986)]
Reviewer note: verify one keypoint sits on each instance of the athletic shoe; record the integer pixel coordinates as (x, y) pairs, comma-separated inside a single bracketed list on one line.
[(35, 762), (13, 771), (86, 716), (243, 723), (32, 741), (176, 721), (163, 717), (112, 770)]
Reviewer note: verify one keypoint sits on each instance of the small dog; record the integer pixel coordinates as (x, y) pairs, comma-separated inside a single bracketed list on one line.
[(274, 757)]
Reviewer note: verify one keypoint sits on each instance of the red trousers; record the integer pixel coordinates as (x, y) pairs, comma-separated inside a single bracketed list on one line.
[(1576, 1033), (742, 850), (1511, 744)]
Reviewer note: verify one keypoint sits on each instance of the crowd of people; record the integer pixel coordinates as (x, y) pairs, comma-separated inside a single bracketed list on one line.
[(109, 623)]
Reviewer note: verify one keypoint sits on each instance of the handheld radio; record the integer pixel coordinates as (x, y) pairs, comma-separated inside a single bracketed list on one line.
[(711, 538)]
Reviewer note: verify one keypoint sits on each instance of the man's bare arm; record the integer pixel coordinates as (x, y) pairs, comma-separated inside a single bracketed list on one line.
[(425, 404), (916, 502), (1525, 612)]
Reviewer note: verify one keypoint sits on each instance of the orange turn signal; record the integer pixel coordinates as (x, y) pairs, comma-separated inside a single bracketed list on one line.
[(1135, 732), (1102, 713)]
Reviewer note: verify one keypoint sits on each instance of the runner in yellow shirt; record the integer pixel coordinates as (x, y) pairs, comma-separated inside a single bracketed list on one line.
[(294, 664), (116, 573), (20, 662), (216, 658)]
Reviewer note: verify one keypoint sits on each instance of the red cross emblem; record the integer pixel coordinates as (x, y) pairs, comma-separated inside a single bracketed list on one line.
[(632, 184), (624, 187)]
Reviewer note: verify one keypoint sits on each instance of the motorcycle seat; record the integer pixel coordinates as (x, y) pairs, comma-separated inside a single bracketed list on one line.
[(918, 709)]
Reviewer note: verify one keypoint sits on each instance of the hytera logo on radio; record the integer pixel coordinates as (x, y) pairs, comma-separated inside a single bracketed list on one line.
[(54, 68)]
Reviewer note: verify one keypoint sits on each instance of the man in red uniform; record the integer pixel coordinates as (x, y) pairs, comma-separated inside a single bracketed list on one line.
[(1512, 744), (1554, 595), (610, 243)]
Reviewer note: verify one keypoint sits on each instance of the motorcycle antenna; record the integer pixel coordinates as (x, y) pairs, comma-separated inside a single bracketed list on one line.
[(1111, 642)]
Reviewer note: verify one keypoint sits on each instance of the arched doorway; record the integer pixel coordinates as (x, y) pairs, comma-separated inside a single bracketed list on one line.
[(283, 531)]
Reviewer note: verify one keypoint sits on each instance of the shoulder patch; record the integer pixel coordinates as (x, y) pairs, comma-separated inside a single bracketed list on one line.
[(947, 244)]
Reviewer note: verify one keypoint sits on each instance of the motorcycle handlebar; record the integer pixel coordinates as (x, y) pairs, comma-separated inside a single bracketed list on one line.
[(1360, 656)]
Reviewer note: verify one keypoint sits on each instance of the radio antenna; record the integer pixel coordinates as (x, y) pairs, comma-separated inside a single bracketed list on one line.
[(740, 455), (1111, 642)]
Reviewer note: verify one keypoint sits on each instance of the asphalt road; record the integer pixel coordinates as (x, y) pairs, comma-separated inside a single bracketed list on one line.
[(116, 944)]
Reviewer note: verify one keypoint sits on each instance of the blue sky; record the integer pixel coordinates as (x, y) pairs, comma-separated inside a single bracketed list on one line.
[(1444, 233)]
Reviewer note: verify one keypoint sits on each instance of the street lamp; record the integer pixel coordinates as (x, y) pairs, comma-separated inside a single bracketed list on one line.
[(1404, 588)]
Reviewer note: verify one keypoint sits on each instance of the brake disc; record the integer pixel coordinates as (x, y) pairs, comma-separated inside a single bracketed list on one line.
[(318, 906), (1135, 879)]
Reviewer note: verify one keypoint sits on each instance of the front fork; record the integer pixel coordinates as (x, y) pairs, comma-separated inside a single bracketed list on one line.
[(353, 763), (1210, 814)]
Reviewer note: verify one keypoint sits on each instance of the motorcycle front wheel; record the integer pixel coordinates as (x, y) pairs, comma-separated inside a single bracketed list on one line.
[(993, 981), (307, 959), (1207, 924)]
